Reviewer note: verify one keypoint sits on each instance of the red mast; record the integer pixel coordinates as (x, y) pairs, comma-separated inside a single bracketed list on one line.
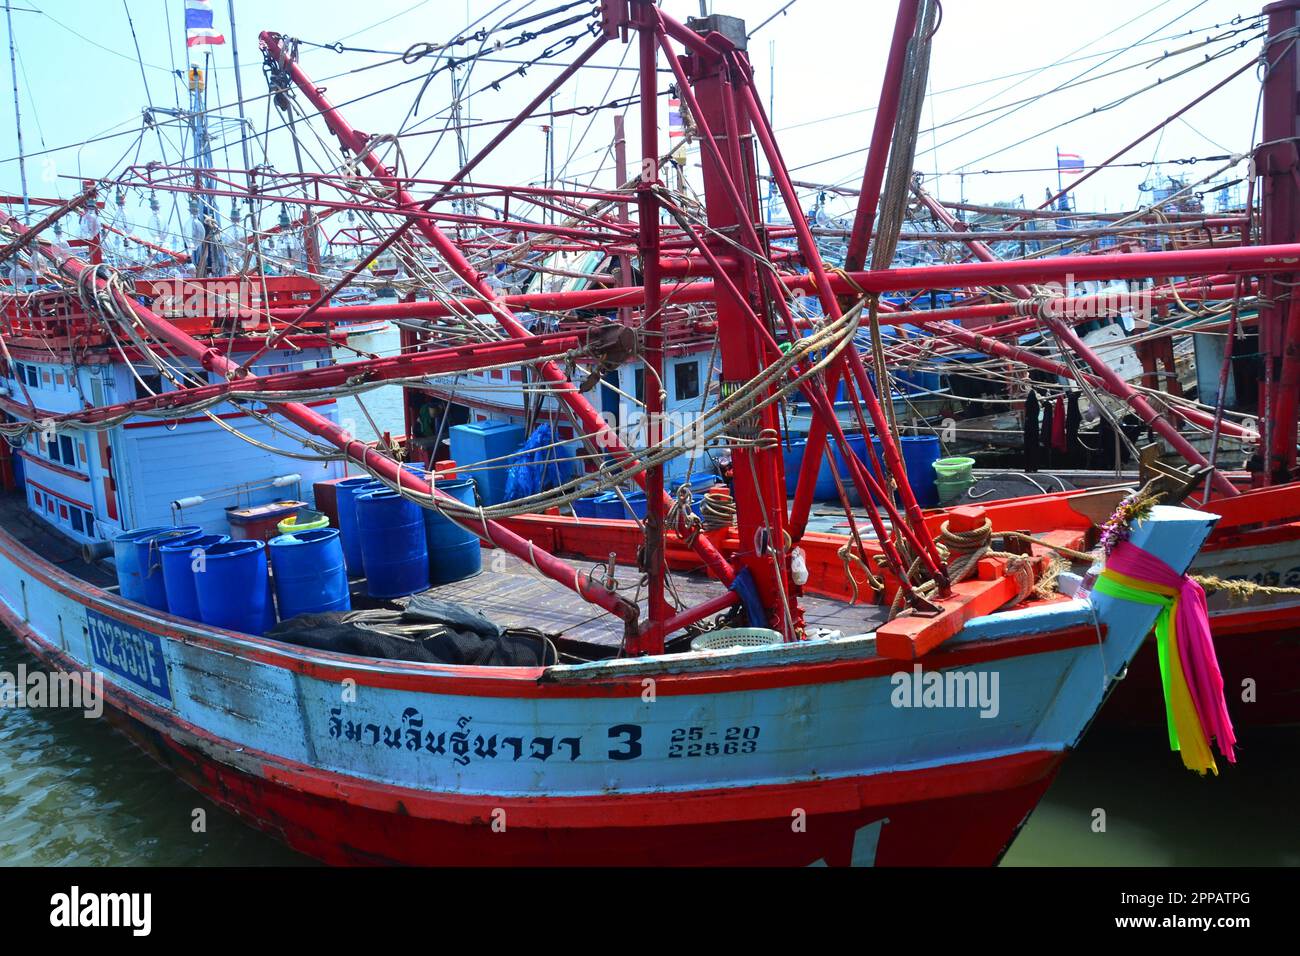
[(1277, 163)]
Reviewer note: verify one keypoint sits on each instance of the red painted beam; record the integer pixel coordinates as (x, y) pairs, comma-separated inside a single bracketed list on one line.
[(1250, 260)]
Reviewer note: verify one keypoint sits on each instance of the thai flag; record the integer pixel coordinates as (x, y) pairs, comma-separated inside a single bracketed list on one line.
[(1068, 163), (198, 24), (676, 128)]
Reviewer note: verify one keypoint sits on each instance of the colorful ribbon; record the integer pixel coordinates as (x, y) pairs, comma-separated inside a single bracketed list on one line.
[(1195, 709)]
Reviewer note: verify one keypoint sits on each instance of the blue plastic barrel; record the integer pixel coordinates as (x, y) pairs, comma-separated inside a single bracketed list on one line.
[(586, 507), (920, 452), (130, 584), (858, 445), (636, 505), (178, 559), (793, 455), (824, 489), (234, 590), (604, 505), (149, 560), (394, 551), (608, 505), (454, 553), (308, 573), (345, 502)]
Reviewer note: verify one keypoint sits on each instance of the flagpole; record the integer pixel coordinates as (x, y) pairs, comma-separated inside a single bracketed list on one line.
[(244, 126), (239, 87), (18, 120)]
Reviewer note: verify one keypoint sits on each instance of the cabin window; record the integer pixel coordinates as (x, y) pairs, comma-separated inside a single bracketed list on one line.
[(78, 522), (67, 451), (33, 377), (686, 380), (52, 449), (148, 383), (36, 499), (638, 380)]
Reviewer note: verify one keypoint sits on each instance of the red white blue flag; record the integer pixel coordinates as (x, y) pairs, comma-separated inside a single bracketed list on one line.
[(1068, 163), (198, 24), (676, 124)]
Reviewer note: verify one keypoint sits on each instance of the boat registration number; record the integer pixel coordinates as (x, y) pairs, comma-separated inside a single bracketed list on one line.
[(133, 654)]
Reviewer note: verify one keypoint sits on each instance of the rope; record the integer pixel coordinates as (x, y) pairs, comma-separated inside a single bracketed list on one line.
[(962, 550), (847, 559), (1241, 590), (717, 511)]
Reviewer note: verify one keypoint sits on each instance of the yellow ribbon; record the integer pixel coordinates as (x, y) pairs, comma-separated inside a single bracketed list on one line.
[(1186, 734)]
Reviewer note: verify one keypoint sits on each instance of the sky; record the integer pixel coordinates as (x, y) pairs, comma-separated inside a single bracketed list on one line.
[(996, 78)]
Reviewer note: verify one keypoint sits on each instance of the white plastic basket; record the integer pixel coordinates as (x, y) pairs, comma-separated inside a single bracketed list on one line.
[(729, 637)]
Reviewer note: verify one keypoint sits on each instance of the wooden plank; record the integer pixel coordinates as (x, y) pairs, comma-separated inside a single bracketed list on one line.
[(910, 636)]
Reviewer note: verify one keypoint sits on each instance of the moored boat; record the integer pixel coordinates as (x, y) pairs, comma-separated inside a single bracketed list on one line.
[(821, 751)]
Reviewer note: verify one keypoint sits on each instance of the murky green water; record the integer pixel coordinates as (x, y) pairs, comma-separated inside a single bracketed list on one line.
[(1159, 814), (73, 791)]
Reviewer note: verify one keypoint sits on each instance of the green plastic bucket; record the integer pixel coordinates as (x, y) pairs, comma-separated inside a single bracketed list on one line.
[(951, 469), (952, 489), (304, 520)]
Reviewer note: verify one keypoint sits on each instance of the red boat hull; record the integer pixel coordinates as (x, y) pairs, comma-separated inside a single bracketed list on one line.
[(1259, 656), (956, 815), (927, 820)]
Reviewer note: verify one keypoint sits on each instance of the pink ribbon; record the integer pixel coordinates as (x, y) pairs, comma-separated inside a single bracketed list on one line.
[(1195, 646)]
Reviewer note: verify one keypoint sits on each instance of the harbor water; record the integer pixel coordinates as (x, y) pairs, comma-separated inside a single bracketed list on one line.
[(75, 792)]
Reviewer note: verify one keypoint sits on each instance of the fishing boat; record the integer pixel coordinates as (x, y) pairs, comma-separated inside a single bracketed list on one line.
[(669, 690)]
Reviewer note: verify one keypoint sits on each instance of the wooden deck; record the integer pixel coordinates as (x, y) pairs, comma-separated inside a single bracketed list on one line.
[(514, 594)]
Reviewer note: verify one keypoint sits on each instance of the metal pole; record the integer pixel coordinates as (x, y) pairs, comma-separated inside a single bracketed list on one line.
[(653, 336), (18, 119), (882, 133), (1230, 260), (1275, 163)]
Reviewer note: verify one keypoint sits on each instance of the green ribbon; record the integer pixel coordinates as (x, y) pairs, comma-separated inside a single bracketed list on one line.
[(1112, 588)]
